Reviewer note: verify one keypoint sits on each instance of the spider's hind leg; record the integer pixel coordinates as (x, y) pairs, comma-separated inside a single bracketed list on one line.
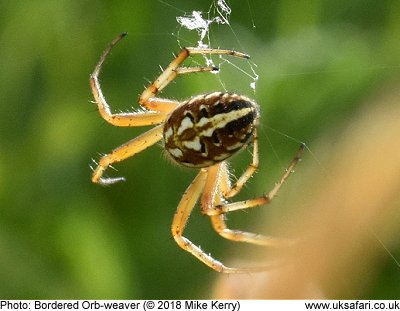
[(181, 217), (213, 205), (216, 208)]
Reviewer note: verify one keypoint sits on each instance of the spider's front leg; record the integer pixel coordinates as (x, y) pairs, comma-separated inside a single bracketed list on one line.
[(130, 119), (158, 115), (148, 98)]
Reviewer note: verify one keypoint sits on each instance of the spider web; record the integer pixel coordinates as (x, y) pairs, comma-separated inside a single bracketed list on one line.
[(219, 13), (201, 23), (196, 22)]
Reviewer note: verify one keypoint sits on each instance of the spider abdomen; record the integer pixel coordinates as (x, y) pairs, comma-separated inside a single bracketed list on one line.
[(210, 128)]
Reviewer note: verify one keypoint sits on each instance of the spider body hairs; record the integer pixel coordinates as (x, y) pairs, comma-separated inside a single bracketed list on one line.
[(202, 132)]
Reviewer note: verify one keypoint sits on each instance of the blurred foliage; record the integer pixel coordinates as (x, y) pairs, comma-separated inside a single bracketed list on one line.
[(63, 237)]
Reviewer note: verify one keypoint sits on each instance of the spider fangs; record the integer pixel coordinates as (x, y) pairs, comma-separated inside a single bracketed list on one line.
[(202, 132)]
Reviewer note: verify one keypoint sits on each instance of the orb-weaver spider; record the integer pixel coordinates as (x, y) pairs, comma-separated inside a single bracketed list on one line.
[(202, 132)]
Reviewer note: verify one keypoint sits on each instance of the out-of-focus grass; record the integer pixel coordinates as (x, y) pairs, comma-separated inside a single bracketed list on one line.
[(344, 221), (62, 237)]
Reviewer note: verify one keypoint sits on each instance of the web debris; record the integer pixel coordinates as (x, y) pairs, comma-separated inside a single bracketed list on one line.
[(218, 13), (198, 23), (195, 21)]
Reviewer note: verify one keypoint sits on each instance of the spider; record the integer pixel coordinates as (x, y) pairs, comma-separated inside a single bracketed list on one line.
[(201, 132)]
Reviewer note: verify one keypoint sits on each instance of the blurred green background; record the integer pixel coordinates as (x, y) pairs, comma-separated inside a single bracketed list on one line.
[(63, 237)]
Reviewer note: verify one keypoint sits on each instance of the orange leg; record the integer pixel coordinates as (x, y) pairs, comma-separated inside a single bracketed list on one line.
[(231, 191), (213, 205), (120, 153), (225, 208), (181, 216), (174, 69), (160, 108)]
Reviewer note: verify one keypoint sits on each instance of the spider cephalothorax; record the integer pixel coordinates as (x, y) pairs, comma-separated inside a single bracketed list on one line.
[(202, 132)]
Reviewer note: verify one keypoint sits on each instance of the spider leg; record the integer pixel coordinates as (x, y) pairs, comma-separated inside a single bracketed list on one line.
[(185, 70), (167, 105), (214, 206), (265, 199), (160, 108), (124, 151), (181, 217), (231, 191), (219, 224), (174, 69), (212, 202)]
